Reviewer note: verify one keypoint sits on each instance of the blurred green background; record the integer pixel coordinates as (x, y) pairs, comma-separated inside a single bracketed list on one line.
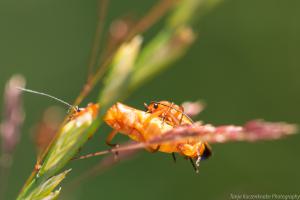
[(245, 65)]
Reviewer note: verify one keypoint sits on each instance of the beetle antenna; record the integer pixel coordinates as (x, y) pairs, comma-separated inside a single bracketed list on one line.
[(48, 95)]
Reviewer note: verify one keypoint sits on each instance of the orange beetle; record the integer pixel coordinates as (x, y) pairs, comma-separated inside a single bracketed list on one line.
[(143, 126)]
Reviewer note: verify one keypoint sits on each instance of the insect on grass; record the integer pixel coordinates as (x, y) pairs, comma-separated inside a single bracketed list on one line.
[(75, 114), (144, 126), (160, 118), (175, 116), (141, 126)]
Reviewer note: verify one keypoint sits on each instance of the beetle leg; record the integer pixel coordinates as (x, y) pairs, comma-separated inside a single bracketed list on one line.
[(175, 121), (193, 151), (153, 150), (174, 157), (110, 137), (193, 164), (182, 113), (164, 114), (108, 140)]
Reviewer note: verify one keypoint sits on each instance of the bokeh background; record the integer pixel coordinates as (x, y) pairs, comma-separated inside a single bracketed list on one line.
[(244, 65)]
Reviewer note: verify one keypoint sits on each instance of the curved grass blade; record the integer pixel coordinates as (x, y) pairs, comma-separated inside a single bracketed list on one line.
[(44, 190)]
